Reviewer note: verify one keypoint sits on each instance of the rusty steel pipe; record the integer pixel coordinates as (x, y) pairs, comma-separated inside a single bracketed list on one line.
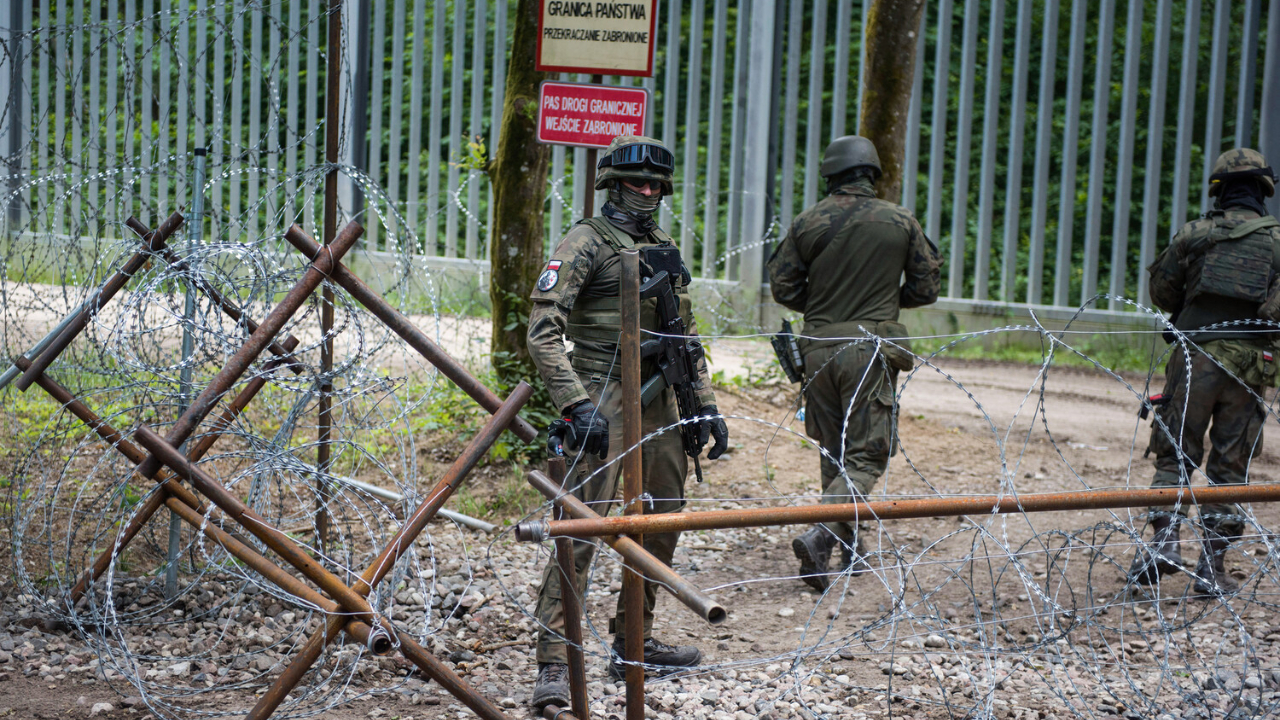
[(321, 265), (555, 712), (631, 551), (169, 483), (898, 510), (153, 242), (571, 603), (632, 478), (415, 338), (404, 538), (280, 543)]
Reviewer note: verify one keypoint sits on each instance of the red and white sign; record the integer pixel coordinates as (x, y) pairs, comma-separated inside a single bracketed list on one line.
[(610, 37), (589, 115)]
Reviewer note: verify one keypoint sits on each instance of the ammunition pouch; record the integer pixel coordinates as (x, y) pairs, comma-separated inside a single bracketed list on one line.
[(1255, 366), (787, 347)]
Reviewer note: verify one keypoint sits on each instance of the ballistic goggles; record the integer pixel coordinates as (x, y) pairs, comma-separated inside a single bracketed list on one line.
[(638, 154)]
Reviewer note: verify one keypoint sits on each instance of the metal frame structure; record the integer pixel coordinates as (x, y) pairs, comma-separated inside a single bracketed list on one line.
[(160, 459)]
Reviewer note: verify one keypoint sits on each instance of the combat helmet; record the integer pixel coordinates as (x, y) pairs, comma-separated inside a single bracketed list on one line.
[(848, 152), (636, 157), (1241, 163)]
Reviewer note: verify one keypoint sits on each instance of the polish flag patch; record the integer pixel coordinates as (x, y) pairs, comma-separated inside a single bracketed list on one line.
[(550, 276), (1266, 355)]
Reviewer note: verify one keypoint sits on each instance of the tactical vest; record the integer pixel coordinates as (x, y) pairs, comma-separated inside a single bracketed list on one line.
[(1232, 261), (598, 320)]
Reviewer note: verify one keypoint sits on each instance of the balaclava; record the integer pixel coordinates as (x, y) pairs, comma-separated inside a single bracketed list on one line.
[(1244, 192)]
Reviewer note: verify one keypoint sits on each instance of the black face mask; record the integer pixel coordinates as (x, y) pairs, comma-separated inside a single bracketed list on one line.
[(1246, 193)]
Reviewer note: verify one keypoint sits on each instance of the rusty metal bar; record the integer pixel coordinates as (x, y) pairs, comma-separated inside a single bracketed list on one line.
[(153, 242), (321, 265), (449, 482), (332, 121), (572, 606), (169, 483), (631, 551), (280, 543), (632, 478), (416, 339), (231, 309), (555, 712), (898, 510)]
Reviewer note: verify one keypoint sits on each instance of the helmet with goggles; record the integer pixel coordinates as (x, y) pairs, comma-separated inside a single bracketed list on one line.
[(1239, 164), (637, 158)]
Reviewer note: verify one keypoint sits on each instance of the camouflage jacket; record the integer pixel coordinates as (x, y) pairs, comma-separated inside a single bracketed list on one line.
[(1178, 267), (865, 245), (586, 266)]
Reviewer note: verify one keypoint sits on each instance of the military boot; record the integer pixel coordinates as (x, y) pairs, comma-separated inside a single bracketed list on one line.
[(813, 550), (1211, 577), (665, 658), (552, 686), (1164, 555), (854, 559)]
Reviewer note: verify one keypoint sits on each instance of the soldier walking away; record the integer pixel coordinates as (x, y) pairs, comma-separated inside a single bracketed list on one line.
[(850, 263), (577, 297), (1219, 281)]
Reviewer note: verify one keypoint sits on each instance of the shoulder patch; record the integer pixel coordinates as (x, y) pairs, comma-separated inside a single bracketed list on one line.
[(550, 276)]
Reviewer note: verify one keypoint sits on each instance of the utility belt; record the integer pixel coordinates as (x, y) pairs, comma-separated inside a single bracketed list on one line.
[(1254, 364), (897, 354), (593, 363)]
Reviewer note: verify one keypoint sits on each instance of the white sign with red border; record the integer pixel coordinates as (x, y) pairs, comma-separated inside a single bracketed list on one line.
[(584, 115), (601, 38)]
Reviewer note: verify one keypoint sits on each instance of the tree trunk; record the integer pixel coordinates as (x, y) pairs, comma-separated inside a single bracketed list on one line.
[(893, 29), (519, 176)]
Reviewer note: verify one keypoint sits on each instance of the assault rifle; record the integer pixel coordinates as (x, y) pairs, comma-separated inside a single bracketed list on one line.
[(677, 357)]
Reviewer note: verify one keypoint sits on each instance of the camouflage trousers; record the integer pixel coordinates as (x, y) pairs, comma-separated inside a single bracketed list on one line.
[(665, 468), (849, 412), (1218, 402)]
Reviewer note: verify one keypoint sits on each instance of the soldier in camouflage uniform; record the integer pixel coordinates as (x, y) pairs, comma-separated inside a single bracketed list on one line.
[(577, 297), (1218, 279), (842, 264)]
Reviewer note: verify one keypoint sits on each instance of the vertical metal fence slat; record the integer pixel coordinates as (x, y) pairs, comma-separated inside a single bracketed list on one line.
[(938, 127), (692, 132), (580, 188), (555, 208), (257, 139), (234, 142), (1214, 107), (1269, 122), (715, 120), (10, 132), (862, 65), (274, 203), (670, 89), (963, 149), (374, 216), (990, 143), (30, 139), (813, 124), (840, 80), (217, 111), (1098, 149), (1014, 163), (1044, 131), (291, 111), (790, 113), (395, 153), (1186, 114), (95, 120), (500, 49), (1245, 86), (413, 199), (1124, 169), (59, 84), (755, 156), (1155, 149), (456, 62), (43, 54), (1070, 156), (434, 124), (76, 119), (911, 162), (733, 227), (479, 31), (312, 130)]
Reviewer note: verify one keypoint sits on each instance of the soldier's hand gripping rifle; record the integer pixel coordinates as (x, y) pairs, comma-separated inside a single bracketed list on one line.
[(676, 356)]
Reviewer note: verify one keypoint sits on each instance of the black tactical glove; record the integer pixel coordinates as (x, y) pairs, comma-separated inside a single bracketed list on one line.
[(585, 430), (714, 427)]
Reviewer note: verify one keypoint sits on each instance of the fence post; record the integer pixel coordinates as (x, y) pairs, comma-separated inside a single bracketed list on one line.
[(17, 60), (1269, 132), (755, 159)]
